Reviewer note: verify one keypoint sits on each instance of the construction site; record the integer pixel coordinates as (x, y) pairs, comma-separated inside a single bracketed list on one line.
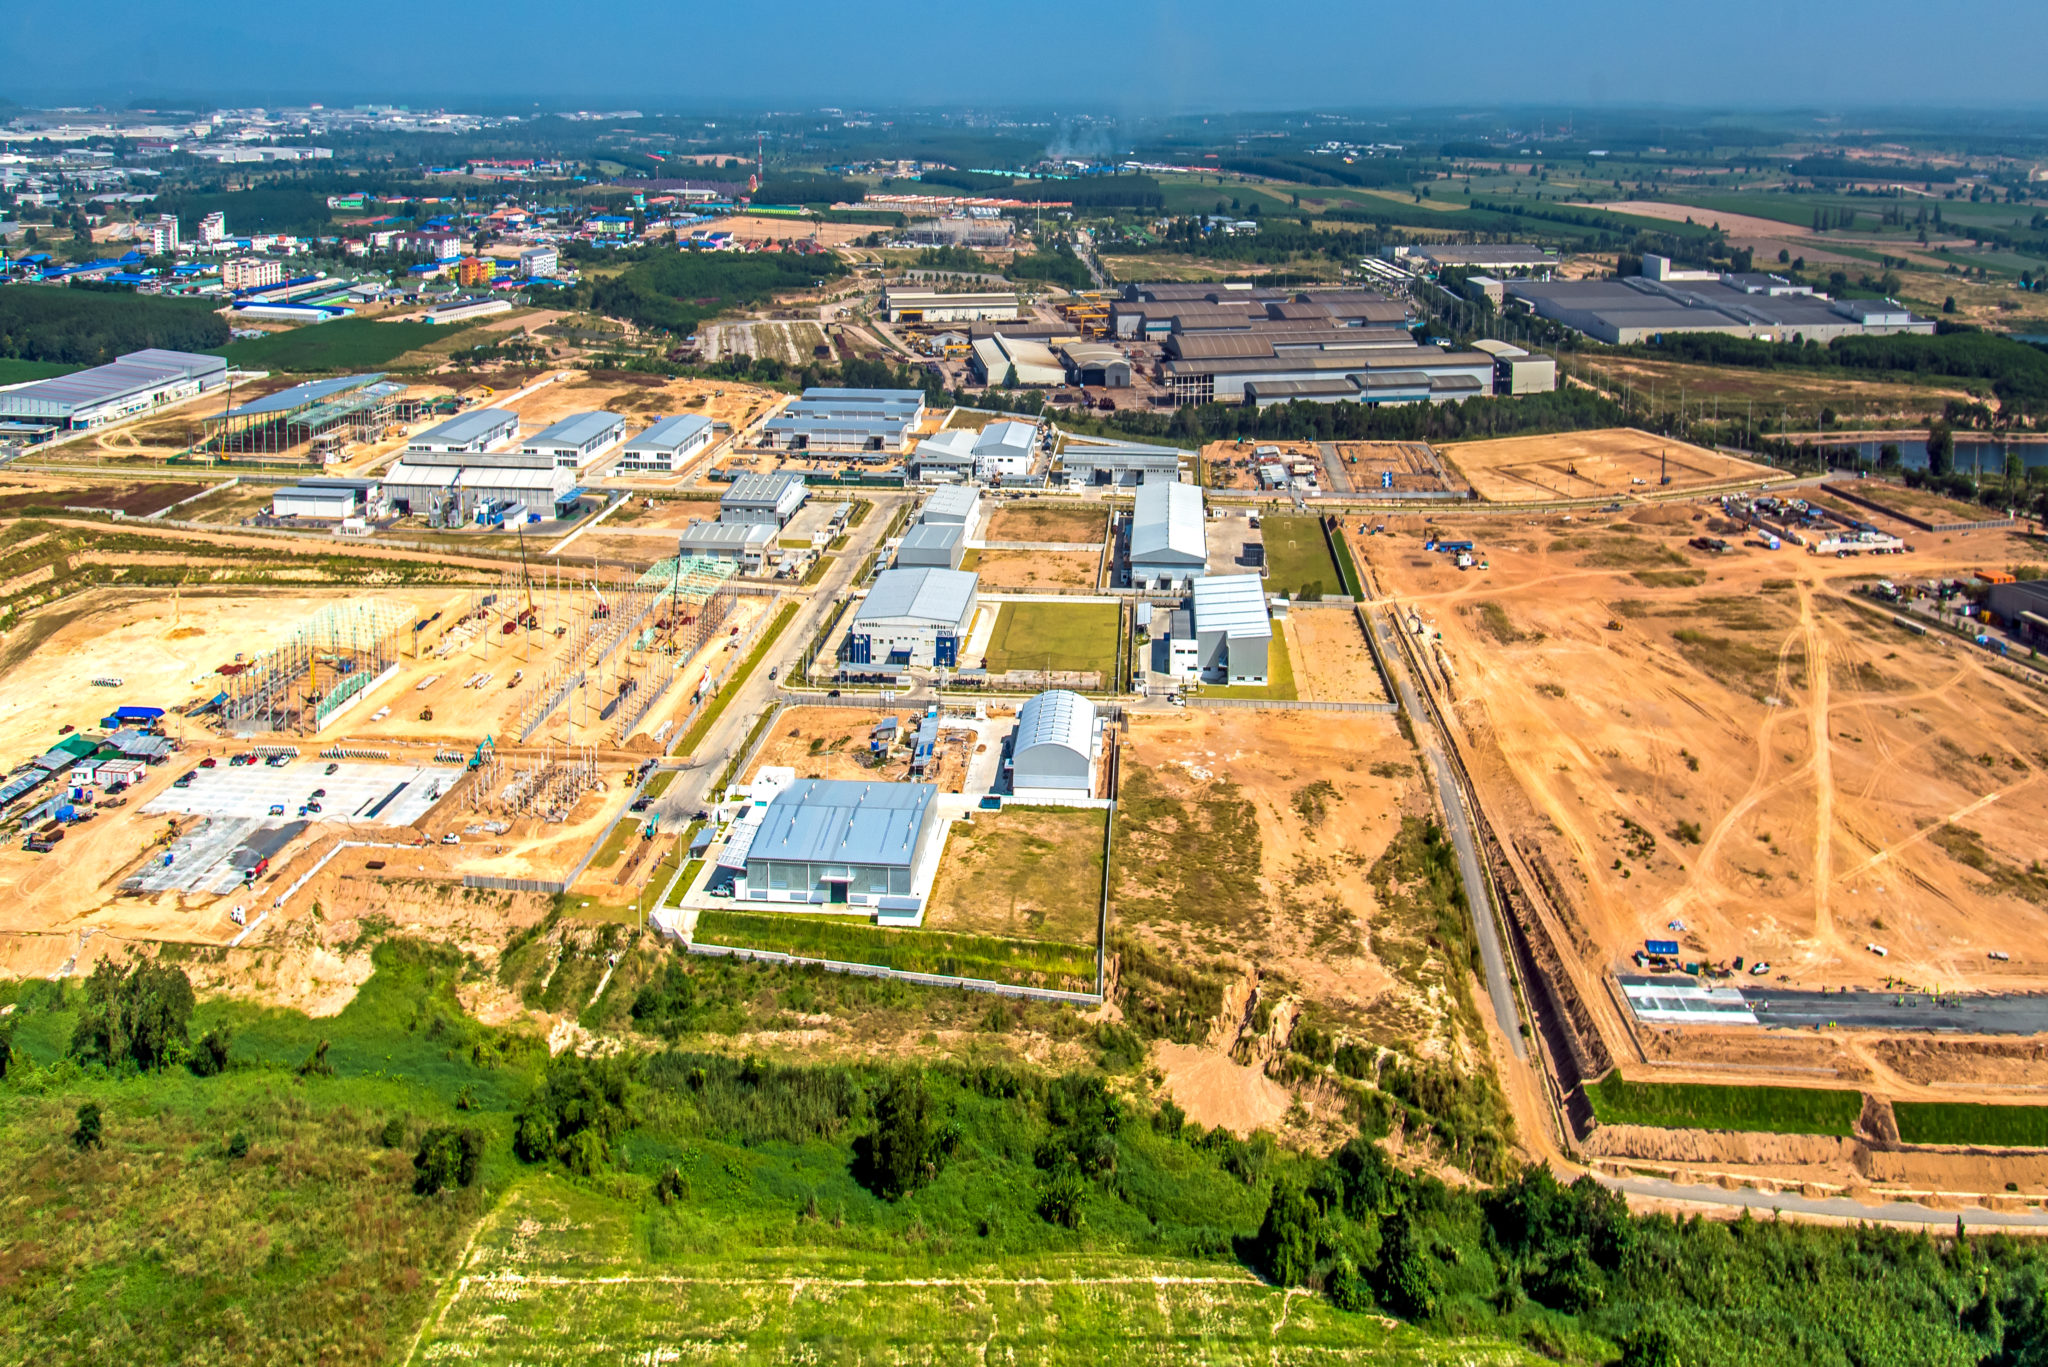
[(1612, 461)]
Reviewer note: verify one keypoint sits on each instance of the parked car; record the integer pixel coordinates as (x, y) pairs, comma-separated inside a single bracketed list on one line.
[(333, 769), (277, 809), (182, 781), (319, 792), (209, 763), (451, 839)]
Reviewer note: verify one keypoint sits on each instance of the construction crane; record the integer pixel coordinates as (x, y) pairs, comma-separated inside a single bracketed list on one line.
[(529, 618)]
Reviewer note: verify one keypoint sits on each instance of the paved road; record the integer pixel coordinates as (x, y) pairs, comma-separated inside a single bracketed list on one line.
[(1974, 1217), (1972, 1014), (729, 732), (1478, 902)]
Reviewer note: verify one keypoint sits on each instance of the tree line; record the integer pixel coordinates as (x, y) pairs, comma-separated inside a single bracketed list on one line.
[(81, 325)]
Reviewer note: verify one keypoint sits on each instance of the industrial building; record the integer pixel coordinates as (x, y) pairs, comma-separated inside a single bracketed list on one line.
[(466, 433), (994, 233), (2023, 607), (325, 500), (1233, 633), (839, 842), (1516, 371), (667, 446), (1096, 364), (1361, 365), (1767, 308), (929, 306), (999, 452), (1156, 311), (465, 310), (912, 617), (957, 505), (131, 384), (751, 544), (932, 545), (769, 499), (578, 439), (848, 420), (1169, 541), (452, 488), (1055, 751), (326, 413), (1096, 460), (1021, 361), (1507, 258)]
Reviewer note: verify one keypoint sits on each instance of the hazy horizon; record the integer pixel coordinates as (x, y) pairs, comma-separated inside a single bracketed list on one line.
[(1155, 58)]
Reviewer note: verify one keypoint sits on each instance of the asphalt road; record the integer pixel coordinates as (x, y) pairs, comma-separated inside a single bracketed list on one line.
[(1478, 902), (1972, 1014), (1840, 1207)]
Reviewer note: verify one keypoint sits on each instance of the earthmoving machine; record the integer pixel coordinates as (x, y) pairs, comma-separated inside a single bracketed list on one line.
[(426, 714)]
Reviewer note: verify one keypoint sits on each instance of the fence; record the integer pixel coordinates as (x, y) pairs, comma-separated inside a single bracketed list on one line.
[(902, 975), (1911, 521), (1291, 704)]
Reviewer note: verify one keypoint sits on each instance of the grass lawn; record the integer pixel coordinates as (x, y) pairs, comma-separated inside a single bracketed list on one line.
[(658, 785), (346, 344), (624, 831), (20, 372), (1057, 636), (1279, 674), (1703, 1106), (1299, 557), (1032, 873), (854, 939), (1962, 1122)]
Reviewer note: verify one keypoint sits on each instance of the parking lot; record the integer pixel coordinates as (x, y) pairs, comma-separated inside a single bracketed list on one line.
[(376, 794)]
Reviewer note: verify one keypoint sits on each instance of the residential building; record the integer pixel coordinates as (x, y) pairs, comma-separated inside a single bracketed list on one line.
[(539, 263), (251, 273), (476, 270), (213, 229)]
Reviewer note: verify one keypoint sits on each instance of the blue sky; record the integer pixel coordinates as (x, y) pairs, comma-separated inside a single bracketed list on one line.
[(1133, 58)]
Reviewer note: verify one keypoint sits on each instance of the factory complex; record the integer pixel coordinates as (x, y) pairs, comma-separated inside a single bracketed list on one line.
[(1768, 308)]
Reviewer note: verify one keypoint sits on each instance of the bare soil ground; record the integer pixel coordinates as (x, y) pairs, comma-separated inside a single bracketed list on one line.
[(1763, 392), (1214, 1090), (756, 227), (1027, 570), (832, 742), (1590, 464), (1035, 521), (1410, 462), (1231, 464), (1024, 873), (1739, 750), (1331, 661)]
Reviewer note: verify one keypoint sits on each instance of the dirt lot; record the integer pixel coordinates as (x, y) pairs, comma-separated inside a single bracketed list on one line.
[(759, 228), (1737, 750), (1230, 464), (1736, 389), (1260, 841), (1034, 569), (134, 499), (1034, 521), (832, 742), (1589, 464), (1331, 661), (1026, 873), (1414, 466)]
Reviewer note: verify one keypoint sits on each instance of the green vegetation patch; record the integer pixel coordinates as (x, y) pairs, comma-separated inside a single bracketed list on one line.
[(1031, 873), (716, 707), (344, 345), (1963, 1122), (1967, 847), (855, 940), (1185, 859), (1704, 1106), (1298, 557), (1067, 637), (84, 325), (21, 372)]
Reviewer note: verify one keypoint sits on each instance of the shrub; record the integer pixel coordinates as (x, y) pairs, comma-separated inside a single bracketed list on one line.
[(448, 1157), (393, 1134), (136, 1012), (1059, 1199), (1286, 1244), (238, 1147), (576, 1113), (910, 1140), (210, 1056), (315, 1064), (670, 1187), (87, 1135)]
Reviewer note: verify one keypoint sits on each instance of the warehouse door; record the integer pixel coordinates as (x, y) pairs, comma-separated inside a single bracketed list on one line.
[(946, 651)]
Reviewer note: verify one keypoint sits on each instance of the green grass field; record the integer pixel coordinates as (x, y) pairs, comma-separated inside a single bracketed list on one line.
[(1279, 674), (1702, 1106), (21, 372), (853, 939), (1962, 1122), (1056, 636), (1298, 557), (346, 344)]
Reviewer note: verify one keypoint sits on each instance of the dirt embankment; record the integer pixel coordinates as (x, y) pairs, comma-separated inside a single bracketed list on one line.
[(1719, 1147)]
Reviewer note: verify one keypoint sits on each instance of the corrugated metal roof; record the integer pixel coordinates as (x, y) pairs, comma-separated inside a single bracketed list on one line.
[(128, 375), (761, 490), (840, 821), (909, 396), (576, 429), (937, 536), (303, 395), (1234, 604), (925, 595), (1006, 439), (671, 433), (954, 503), (1167, 524), (465, 428), (724, 535), (1056, 717)]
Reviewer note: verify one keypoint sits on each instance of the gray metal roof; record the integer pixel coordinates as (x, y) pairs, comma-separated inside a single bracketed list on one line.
[(1234, 604), (956, 502), (879, 396), (934, 536), (671, 433), (131, 374), (1007, 438), (576, 429), (759, 490), (1167, 524), (303, 395), (844, 821), (1056, 717), (723, 535), (464, 428), (923, 595)]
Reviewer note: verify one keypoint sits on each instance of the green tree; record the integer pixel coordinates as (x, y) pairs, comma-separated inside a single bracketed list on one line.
[(1650, 1347), (137, 1012), (1290, 1237), (87, 1135), (1889, 456), (1941, 450), (448, 1157), (574, 1116), (911, 1138), (210, 1055)]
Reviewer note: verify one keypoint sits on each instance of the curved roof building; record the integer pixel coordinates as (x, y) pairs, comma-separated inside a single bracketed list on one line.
[(1053, 755)]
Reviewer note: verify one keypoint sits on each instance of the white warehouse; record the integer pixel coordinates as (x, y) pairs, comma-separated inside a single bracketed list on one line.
[(913, 617), (667, 446), (577, 440), (1055, 749), (1169, 545)]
